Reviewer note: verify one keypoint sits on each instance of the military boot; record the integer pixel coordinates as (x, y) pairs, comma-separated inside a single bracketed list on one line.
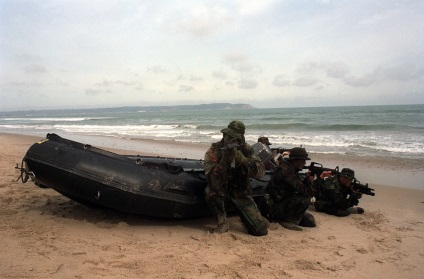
[(223, 225), (308, 220), (356, 210)]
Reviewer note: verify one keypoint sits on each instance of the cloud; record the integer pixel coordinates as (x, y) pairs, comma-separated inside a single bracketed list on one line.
[(60, 82), (246, 83), (157, 69), (188, 46), (204, 20), (233, 58), (337, 70), (381, 17), (195, 78), (94, 92), (365, 80), (254, 7), (402, 73), (219, 75), (238, 62), (314, 73), (24, 84), (281, 81), (110, 83), (305, 81), (185, 88), (332, 69), (35, 69)]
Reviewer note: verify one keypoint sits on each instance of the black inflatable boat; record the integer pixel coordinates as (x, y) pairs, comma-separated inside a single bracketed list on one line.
[(160, 187)]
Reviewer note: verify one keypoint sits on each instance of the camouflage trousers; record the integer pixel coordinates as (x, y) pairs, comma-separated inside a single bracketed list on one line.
[(290, 209), (330, 208), (243, 204)]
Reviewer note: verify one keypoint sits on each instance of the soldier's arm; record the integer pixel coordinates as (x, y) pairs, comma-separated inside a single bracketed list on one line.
[(251, 163), (293, 181), (214, 169), (338, 199)]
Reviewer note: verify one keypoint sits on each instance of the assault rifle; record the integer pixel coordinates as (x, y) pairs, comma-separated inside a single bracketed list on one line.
[(362, 188), (279, 150), (317, 169), (232, 145)]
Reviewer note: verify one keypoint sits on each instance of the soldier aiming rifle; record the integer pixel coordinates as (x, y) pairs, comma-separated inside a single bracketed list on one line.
[(339, 194), (362, 188)]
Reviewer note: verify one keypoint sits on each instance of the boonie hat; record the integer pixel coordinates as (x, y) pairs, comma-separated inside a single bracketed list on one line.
[(235, 130), (298, 153), (264, 140), (348, 173)]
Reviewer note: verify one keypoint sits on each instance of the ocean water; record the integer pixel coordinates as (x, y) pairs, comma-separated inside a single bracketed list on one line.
[(391, 131)]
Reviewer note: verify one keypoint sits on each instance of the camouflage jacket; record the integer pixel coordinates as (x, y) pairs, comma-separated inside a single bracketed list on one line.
[(287, 182), (238, 176), (332, 191)]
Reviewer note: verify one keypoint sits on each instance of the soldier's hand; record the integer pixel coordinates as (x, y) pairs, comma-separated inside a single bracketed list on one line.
[(356, 195), (311, 177), (240, 159), (325, 174), (229, 155)]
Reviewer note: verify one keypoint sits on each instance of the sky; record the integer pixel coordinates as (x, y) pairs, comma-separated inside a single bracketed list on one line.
[(60, 54)]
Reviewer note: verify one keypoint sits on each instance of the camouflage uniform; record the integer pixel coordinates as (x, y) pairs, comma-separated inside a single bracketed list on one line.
[(227, 183), (335, 198), (290, 195)]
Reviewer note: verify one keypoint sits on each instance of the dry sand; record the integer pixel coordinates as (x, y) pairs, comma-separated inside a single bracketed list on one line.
[(45, 235)]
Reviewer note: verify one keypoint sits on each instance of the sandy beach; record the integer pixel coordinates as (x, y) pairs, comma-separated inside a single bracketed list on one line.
[(46, 235)]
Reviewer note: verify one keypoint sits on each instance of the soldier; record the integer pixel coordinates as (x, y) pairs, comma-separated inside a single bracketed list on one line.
[(228, 170), (289, 195), (264, 140), (277, 154), (336, 196)]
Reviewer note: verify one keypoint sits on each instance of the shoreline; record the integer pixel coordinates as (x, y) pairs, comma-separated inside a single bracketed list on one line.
[(403, 173)]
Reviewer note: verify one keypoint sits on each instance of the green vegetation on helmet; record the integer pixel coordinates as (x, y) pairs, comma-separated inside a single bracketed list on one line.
[(298, 153), (235, 130), (348, 173)]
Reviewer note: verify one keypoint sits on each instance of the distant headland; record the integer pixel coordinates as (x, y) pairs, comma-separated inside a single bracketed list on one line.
[(212, 106)]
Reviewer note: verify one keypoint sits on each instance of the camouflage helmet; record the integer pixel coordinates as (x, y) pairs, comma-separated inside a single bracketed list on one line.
[(235, 130), (348, 173), (298, 153), (264, 140)]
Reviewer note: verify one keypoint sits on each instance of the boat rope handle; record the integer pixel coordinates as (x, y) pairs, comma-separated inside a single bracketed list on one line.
[(25, 174)]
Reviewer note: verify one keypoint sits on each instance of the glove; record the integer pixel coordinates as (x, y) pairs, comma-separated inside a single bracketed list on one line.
[(228, 157), (355, 196), (240, 159)]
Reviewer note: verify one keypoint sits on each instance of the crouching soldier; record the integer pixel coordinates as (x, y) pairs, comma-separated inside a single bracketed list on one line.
[(289, 194), (336, 196), (229, 163)]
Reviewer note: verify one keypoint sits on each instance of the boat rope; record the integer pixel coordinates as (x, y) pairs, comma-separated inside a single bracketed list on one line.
[(25, 174)]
